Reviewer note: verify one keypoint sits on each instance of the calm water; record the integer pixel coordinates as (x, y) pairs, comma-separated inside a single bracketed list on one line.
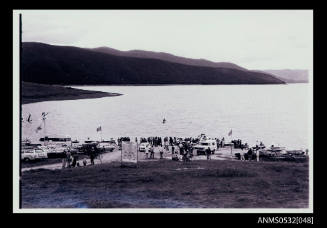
[(274, 114)]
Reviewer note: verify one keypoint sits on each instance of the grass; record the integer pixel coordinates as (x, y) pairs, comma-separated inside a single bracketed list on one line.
[(33, 163), (169, 184)]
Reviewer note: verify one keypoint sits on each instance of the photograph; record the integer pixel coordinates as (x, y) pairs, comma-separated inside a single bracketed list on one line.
[(163, 111)]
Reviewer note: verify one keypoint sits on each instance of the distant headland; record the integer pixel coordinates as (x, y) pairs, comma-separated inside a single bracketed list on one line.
[(33, 92)]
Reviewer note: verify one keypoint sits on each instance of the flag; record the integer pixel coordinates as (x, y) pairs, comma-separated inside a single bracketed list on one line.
[(99, 129), (29, 119), (230, 133), (38, 128), (43, 115)]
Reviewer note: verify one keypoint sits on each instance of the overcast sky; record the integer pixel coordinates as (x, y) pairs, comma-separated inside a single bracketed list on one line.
[(253, 39)]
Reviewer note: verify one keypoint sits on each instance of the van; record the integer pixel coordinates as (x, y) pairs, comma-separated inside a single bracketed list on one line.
[(34, 154), (204, 144)]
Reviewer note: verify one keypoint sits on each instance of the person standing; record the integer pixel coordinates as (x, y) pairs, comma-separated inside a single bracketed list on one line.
[(242, 155), (172, 149), (217, 144), (64, 159), (208, 152), (181, 149), (92, 155), (191, 151), (151, 153), (250, 153), (92, 159), (68, 157), (74, 160), (258, 155), (166, 143), (161, 152), (184, 156), (147, 152)]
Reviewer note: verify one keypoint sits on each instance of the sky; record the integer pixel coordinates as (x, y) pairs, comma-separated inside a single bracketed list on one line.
[(254, 39)]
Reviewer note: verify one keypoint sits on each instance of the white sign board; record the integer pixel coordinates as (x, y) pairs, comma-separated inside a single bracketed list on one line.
[(129, 152)]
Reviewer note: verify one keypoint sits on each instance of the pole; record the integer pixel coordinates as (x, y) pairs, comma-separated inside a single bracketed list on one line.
[(44, 131), (231, 145), (121, 155), (20, 106), (137, 154)]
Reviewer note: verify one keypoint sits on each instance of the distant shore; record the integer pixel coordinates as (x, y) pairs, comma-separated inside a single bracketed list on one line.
[(178, 84), (33, 92)]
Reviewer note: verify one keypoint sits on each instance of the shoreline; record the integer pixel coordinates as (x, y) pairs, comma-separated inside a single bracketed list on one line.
[(96, 85), (71, 97), (145, 84)]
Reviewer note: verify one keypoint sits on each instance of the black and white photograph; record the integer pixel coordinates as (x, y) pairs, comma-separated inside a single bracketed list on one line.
[(163, 111)]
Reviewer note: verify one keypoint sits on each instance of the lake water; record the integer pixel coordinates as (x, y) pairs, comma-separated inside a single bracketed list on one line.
[(274, 114)]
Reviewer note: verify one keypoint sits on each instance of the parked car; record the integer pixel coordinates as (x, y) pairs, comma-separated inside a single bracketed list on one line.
[(204, 144), (106, 146), (34, 154)]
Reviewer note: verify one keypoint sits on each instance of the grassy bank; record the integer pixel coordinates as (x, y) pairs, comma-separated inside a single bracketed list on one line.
[(33, 92), (160, 184)]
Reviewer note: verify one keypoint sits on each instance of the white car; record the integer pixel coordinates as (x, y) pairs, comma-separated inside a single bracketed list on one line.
[(143, 146), (106, 146), (204, 144), (34, 154)]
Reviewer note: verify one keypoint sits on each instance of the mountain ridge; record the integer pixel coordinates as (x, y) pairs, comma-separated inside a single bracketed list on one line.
[(167, 57), (290, 75), (66, 65)]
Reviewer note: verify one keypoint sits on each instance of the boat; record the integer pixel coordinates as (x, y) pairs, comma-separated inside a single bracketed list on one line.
[(277, 149), (273, 151)]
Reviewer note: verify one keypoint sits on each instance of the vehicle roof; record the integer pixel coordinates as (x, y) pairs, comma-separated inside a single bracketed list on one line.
[(207, 140), (57, 136)]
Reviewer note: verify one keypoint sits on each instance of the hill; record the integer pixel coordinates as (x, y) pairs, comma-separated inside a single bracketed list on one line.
[(290, 76), (33, 92), (50, 64), (167, 57)]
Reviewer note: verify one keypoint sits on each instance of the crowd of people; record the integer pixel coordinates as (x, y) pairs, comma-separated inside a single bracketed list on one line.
[(251, 154), (156, 141), (183, 148), (70, 158), (179, 148)]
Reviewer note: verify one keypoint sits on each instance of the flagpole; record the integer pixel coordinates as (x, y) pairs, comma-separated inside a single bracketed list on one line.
[(231, 143), (44, 131)]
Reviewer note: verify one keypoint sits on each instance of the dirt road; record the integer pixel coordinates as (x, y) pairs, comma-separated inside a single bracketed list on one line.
[(221, 154)]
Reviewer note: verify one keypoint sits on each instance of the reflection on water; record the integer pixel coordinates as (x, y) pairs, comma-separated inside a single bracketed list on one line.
[(270, 113)]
